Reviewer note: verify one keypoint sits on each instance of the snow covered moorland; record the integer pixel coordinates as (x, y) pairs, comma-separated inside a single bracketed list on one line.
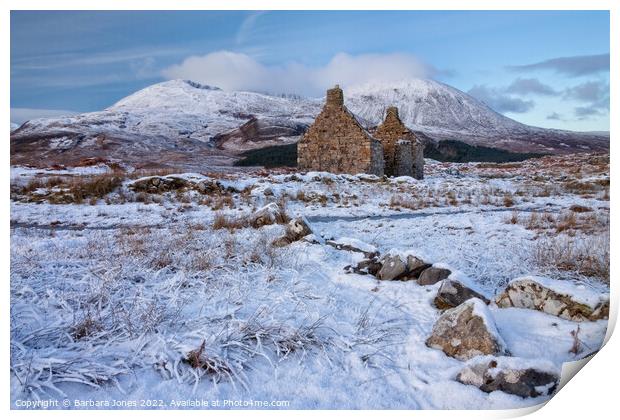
[(468, 289)]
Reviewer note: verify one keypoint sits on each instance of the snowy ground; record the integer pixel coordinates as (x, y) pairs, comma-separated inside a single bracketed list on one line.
[(109, 295)]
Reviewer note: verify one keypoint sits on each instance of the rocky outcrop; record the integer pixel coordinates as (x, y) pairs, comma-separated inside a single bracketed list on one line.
[(433, 275), (525, 378), (555, 297), (452, 293), (467, 331)]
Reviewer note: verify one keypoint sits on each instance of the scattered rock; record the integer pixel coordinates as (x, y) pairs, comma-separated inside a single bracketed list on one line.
[(368, 266), (467, 331), (432, 275), (267, 215), (162, 184), (415, 266), (389, 267), (555, 297), (296, 229), (371, 266), (158, 184), (348, 244), (452, 293), (511, 375), (392, 267)]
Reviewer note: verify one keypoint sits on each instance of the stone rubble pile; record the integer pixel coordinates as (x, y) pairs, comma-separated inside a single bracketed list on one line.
[(466, 329)]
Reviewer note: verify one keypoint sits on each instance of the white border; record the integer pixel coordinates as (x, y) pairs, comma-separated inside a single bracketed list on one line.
[(591, 394)]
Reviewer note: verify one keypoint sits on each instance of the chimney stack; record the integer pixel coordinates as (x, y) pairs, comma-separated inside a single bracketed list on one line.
[(335, 97), (392, 112)]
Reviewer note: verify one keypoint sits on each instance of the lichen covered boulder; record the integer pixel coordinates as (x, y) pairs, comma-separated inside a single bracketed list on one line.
[(467, 331), (512, 375), (433, 275), (453, 292), (561, 298)]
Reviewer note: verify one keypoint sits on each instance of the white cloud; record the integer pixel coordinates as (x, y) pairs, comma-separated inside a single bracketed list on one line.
[(21, 115), (246, 27), (236, 71)]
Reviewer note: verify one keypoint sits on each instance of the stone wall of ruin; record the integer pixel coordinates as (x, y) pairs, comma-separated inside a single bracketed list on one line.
[(389, 133), (337, 143), (403, 158)]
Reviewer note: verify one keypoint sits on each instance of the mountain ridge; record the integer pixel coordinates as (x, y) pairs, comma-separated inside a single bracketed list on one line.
[(184, 118)]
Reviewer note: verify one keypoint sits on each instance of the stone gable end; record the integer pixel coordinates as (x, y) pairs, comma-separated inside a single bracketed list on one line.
[(336, 142)]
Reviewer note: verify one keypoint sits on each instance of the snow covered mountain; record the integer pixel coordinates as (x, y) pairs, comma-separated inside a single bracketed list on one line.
[(182, 121), (442, 112)]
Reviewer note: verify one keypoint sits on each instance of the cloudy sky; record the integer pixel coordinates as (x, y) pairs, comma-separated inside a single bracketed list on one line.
[(549, 69)]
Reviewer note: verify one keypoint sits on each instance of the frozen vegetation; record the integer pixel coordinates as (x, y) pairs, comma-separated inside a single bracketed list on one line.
[(160, 286)]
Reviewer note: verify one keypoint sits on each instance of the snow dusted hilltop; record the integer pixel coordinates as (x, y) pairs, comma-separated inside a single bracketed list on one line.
[(180, 123)]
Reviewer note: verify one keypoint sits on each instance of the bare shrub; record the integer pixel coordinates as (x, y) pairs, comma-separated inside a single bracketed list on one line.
[(221, 221), (94, 187), (85, 328), (579, 209), (586, 256), (212, 365), (577, 346), (514, 218), (566, 221)]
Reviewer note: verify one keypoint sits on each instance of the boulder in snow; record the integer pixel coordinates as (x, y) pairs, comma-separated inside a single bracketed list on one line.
[(415, 266), (158, 184), (522, 377), (162, 184), (467, 331), (452, 293), (267, 215), (396, 266), (296, 229), (392, 267), (556, 297), (433, 275)]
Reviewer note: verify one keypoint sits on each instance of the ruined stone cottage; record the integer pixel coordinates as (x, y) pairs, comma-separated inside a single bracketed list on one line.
[(403, 153), (337, 142)]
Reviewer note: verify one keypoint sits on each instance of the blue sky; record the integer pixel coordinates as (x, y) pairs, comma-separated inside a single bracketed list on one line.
[(542, 68)]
